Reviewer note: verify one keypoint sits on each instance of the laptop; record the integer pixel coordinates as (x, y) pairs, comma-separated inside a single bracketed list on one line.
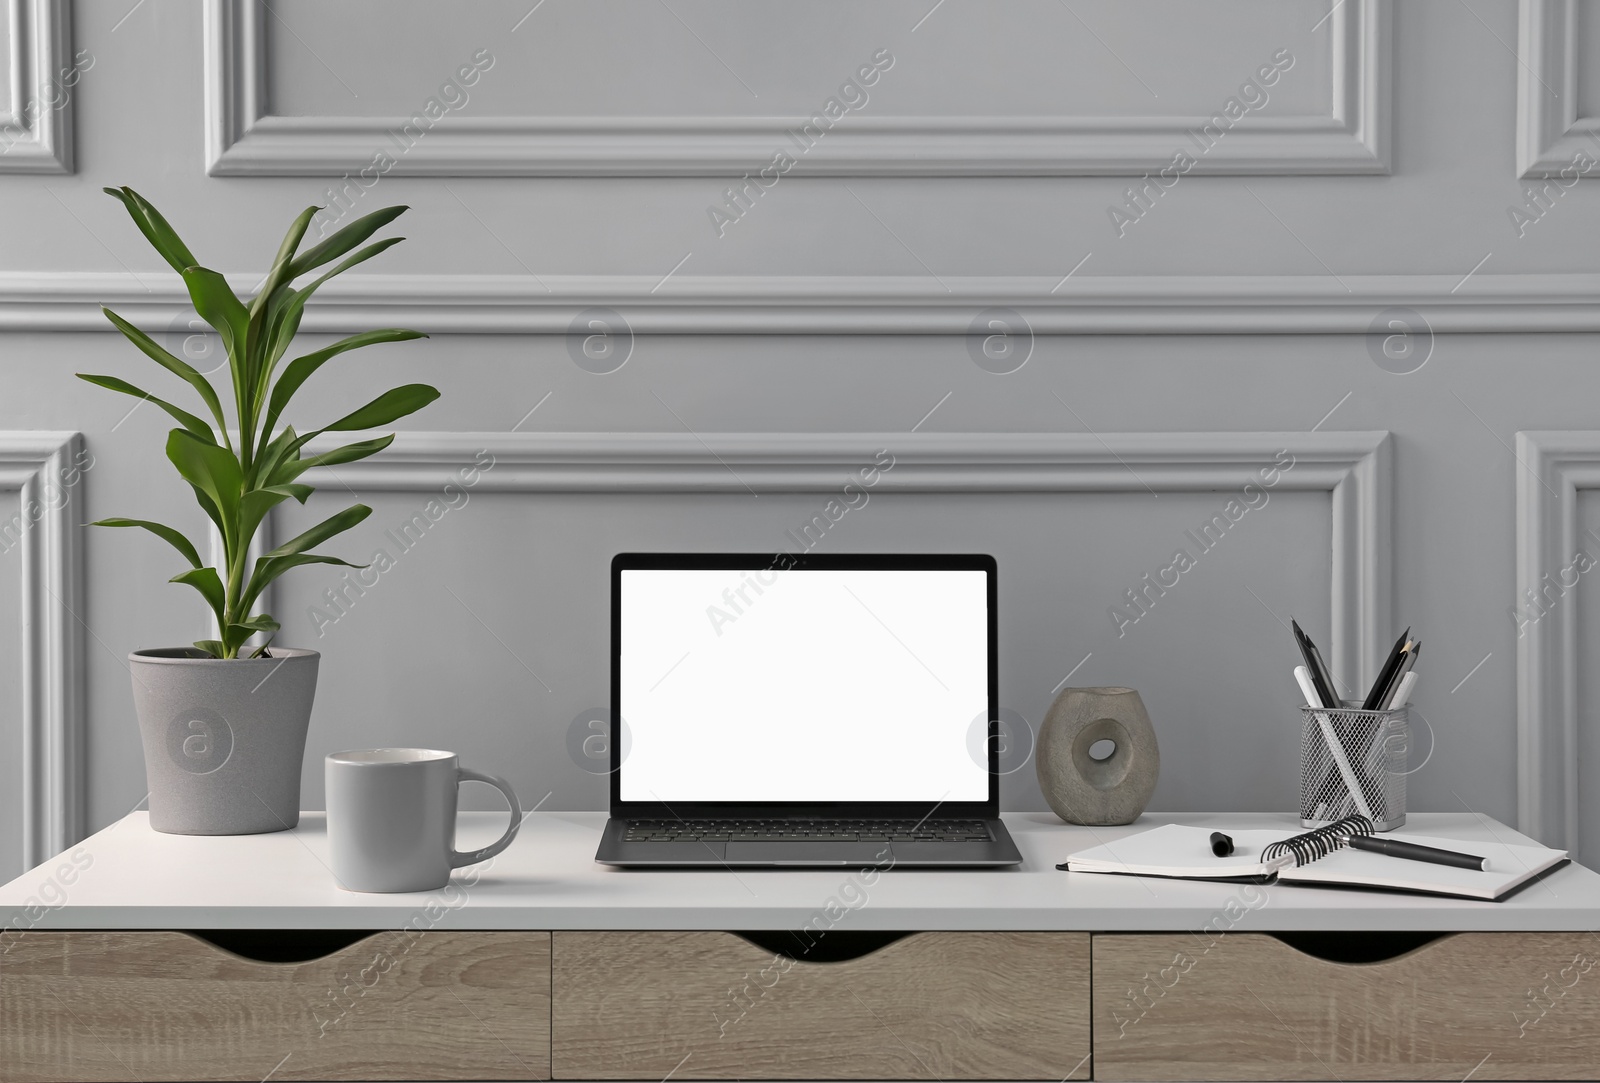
[(782, 710)]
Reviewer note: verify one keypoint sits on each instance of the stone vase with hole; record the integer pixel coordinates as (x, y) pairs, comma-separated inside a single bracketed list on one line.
[(223, 738), (1081, 783)]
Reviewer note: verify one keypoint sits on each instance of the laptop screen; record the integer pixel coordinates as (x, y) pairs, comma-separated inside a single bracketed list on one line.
[(755, 683)]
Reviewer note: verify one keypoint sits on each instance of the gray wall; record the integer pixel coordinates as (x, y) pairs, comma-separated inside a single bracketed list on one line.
[(1167, 357)]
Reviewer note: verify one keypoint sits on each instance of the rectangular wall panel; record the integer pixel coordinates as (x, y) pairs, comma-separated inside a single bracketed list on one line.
[(485, 600), (711, 88)]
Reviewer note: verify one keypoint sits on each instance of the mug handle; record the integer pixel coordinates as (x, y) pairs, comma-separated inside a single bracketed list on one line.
[(457, 858)]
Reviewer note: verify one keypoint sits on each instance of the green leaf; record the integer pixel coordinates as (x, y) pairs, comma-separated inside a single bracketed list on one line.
[(209, 506), (193, 424), (389, 406), (161, 236), (235, 634), (293, 488), (267, 570), (287, 320), (243, 630), (283, 323), (292, 553), (214, 472), (284, 318), (301, 369), (333, 524), (343, 240), (172, 364), (171, 536), (283, 447), (209, 584), (213, 647), (255, 504), (373, 249), (293, 307), (279, 274), (262, 623), (349, 453), (263, 307), (232, 639), (217, 304), (283, 564)]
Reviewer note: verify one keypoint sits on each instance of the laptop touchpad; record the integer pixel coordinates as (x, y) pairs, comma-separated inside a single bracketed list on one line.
[(806, 853)]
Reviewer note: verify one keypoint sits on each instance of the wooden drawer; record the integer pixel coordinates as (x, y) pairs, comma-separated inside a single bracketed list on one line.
[(1249, 1006), (713, 1005), (170, 1006)]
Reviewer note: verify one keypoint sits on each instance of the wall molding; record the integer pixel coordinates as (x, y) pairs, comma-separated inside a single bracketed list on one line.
[(1555, 465), (1547, 82), (243, 140), (848, 304), (1549, 131), (49, 558), (41, 51), (1354, 468)]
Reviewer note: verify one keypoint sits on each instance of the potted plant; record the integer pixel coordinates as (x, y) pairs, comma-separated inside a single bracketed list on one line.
[(224, 725)]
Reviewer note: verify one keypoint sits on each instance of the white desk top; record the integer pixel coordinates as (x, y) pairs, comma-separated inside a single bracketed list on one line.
[(130, 877)]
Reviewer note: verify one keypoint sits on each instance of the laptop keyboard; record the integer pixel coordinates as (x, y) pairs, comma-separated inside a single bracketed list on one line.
[(789, 830)]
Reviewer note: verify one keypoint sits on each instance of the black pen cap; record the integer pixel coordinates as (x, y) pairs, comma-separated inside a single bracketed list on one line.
[(1221, 844)]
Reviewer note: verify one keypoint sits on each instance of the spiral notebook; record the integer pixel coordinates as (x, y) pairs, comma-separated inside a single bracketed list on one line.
[(1317, 858)]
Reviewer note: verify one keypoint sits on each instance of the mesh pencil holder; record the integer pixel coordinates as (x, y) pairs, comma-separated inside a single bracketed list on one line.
[(1374, 745)]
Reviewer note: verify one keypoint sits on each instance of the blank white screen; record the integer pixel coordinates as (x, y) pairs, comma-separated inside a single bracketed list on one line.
[(826, 685)]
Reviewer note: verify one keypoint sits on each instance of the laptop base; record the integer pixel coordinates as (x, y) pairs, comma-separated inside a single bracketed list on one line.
[(998, 850)]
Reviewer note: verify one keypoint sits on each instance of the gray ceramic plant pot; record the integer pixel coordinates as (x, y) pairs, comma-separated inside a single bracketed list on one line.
[(223, 739)]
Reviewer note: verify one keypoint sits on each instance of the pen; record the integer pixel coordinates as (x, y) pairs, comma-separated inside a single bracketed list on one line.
[(1402, 695), (1302, 677), (1416, 852), (1321, 679)]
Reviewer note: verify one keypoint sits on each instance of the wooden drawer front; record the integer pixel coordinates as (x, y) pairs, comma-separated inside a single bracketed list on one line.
[(710, 1005), (1248, 1006), (168, 1006)]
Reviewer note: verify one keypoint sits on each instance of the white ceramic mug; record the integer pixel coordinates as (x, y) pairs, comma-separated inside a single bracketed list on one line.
[(392, 818)]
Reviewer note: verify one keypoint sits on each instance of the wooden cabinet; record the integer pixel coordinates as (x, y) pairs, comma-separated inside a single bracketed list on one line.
[(712, 1005), (149, 1006), (1249, 1006), (169, 1006)]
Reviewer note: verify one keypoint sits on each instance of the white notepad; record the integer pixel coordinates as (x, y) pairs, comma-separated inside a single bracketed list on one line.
[(1185, 852)]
